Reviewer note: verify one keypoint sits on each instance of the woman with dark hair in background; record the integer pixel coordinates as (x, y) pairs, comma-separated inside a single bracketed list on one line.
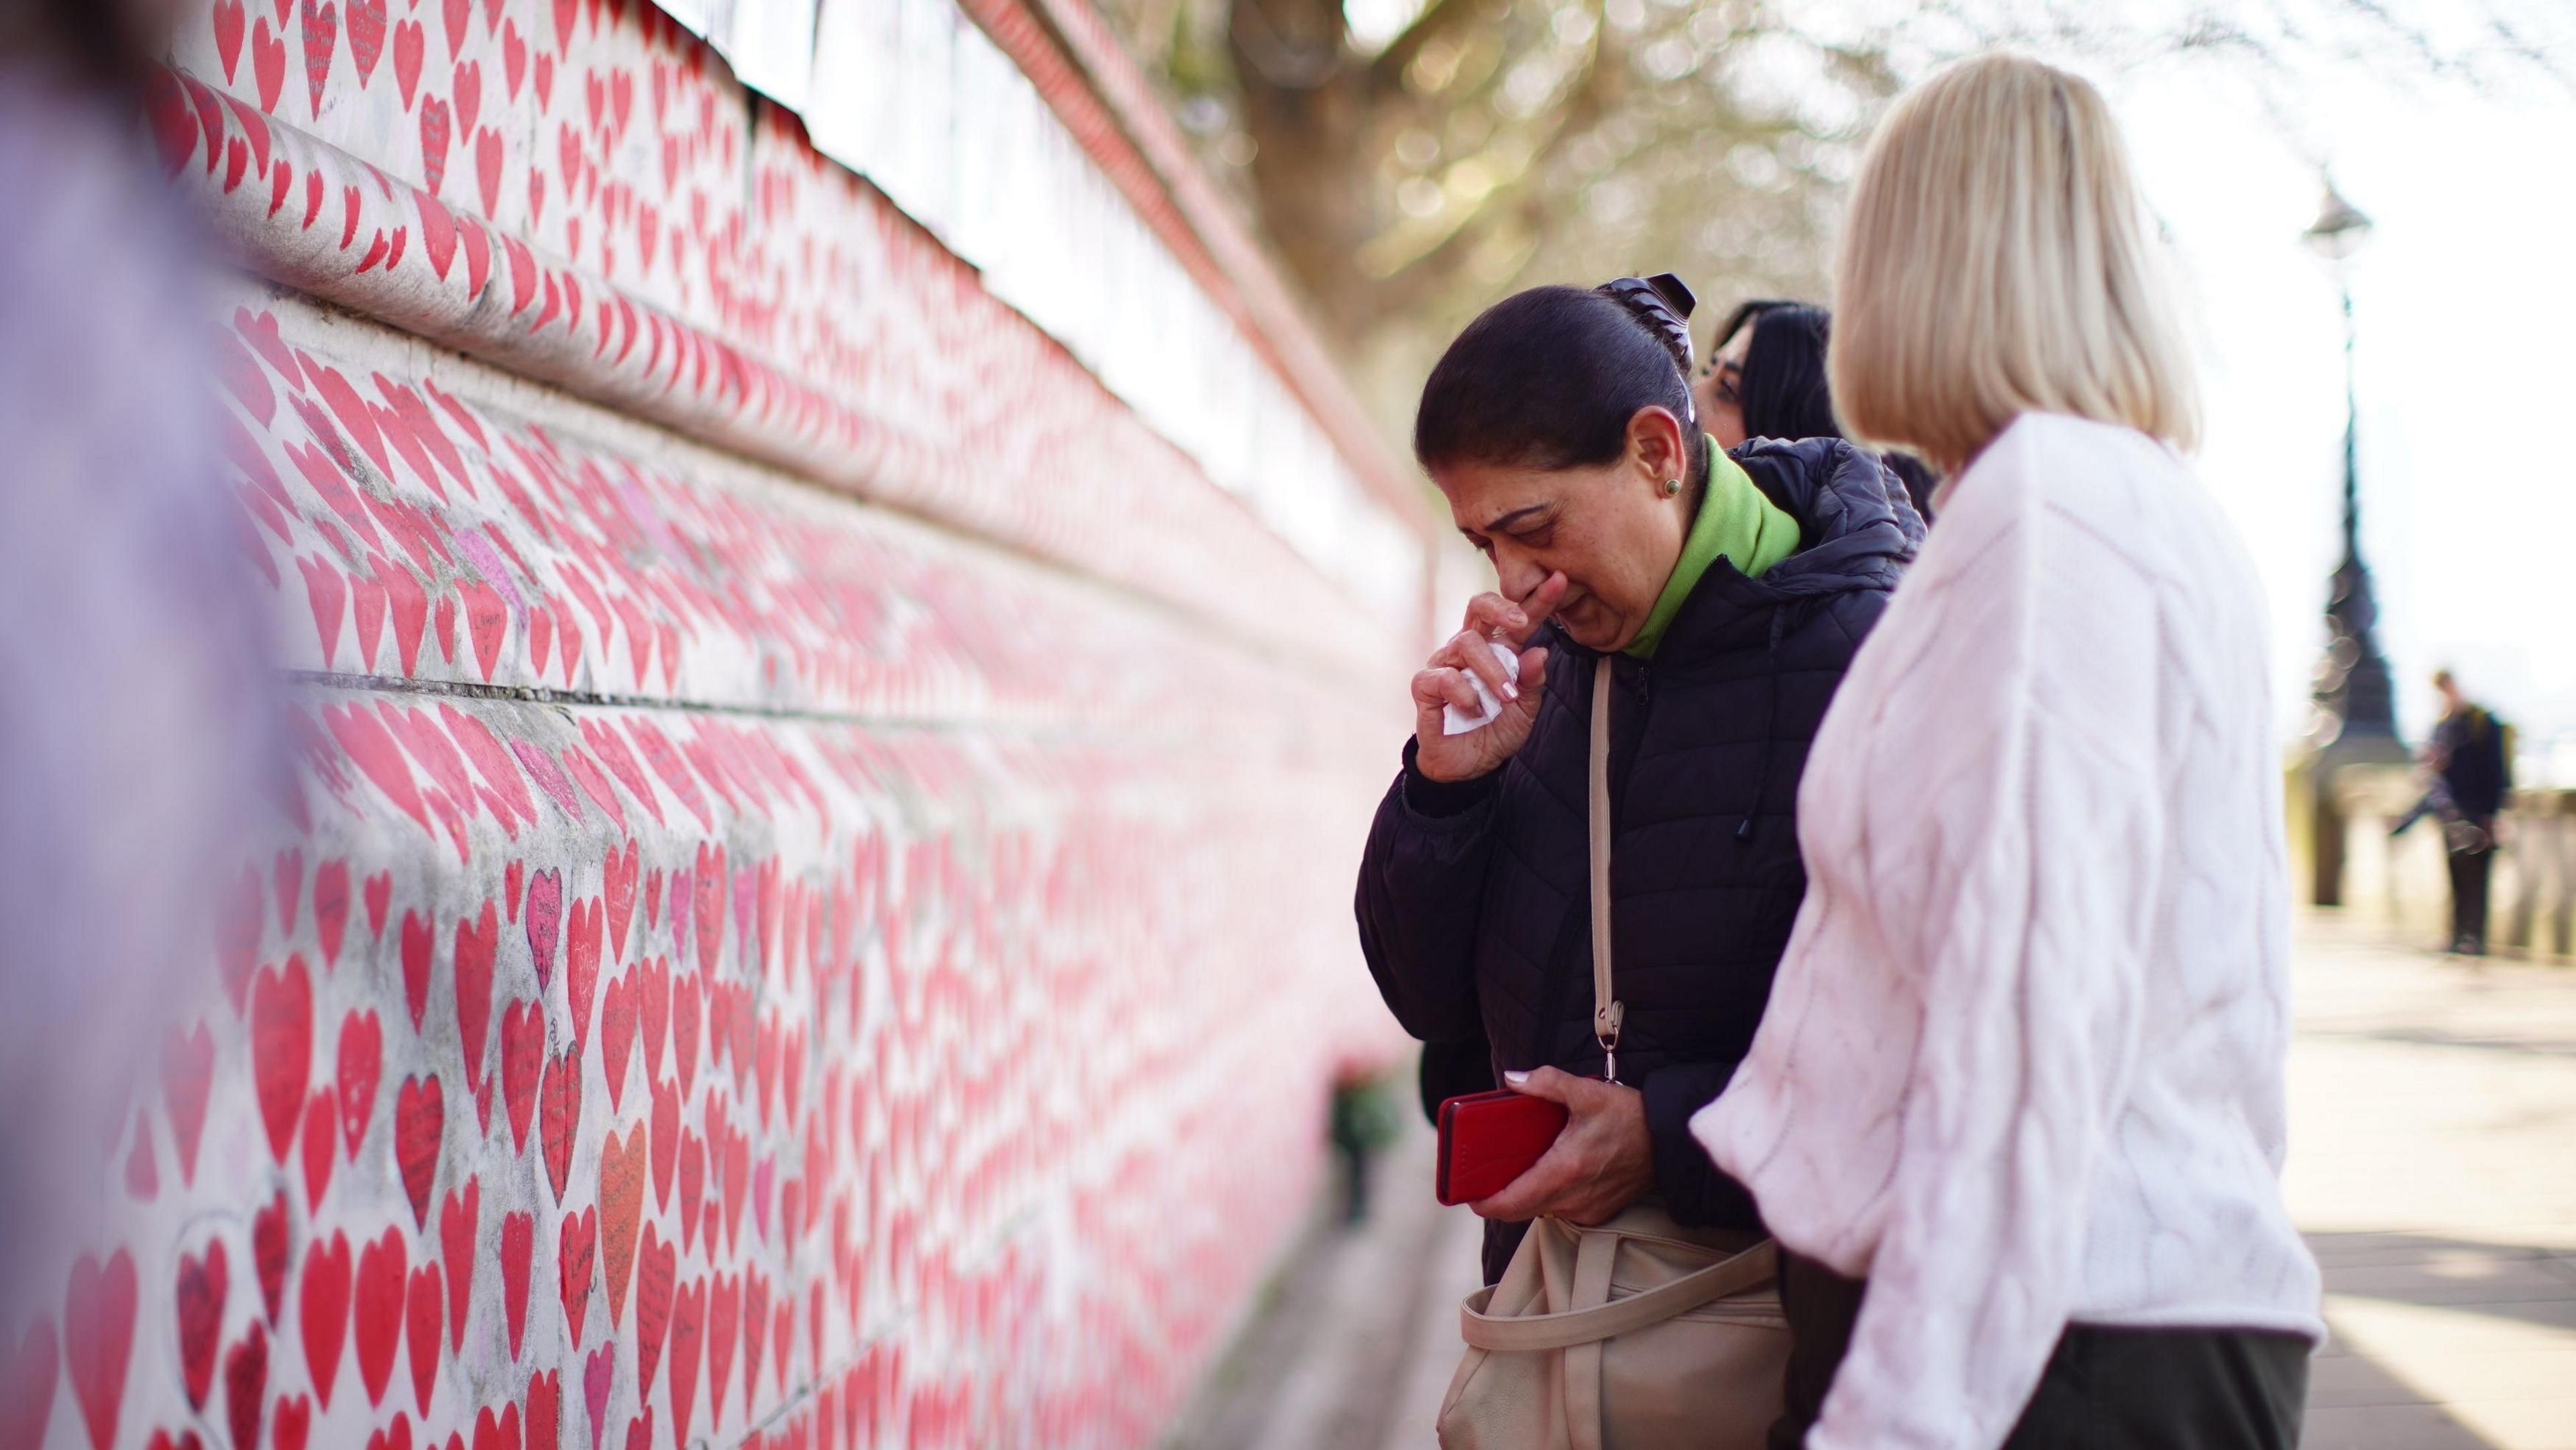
[(1765, 378), (1727, 593)]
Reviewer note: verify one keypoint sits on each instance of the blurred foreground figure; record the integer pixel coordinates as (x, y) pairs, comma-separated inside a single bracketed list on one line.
[(2472, 770), (2016, 1113), (134, 732)]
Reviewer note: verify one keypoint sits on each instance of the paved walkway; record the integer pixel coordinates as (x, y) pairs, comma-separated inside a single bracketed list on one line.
[(2433, 1112)]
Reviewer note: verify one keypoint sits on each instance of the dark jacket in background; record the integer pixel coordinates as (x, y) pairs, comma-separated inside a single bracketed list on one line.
[(1474, 908), (2470, 743)]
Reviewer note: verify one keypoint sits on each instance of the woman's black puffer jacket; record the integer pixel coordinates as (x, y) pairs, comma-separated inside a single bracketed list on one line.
[(1474, 909)]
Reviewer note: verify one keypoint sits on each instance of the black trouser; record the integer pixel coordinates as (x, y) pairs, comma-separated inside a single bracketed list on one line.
[(2104, 1388), (2469, 896)]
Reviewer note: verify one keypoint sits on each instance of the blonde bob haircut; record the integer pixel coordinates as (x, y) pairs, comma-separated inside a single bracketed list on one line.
[(1998, 261)]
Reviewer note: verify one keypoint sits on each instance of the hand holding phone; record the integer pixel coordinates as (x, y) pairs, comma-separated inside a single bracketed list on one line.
[(1489, 1139)]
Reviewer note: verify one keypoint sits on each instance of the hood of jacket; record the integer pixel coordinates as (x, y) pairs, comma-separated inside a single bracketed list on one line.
[(1856, 533)]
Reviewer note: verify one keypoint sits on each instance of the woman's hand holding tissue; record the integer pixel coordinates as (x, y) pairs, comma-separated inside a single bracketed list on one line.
[(1472, 708)]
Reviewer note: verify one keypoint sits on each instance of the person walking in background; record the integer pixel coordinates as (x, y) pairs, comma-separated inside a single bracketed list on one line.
[(1765, 378), (2017, 1113), (1560, 428), (2468, 757)]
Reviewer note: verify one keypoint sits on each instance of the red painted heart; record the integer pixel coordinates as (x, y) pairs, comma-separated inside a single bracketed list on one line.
[(523, 1060), (292, 1423), (420, 1124), (269, 1251), (331, 907), (688, 1334), (281, 1038), (321, 1146), (724, 1324), (376, 1317), (545, 1410), (457, 1220), (497, 1432), (204, 1284), (518, 1247), (666, 1139), (621, 1206), (684, 1029), (618, 1013), (417, 939), (362, 1048), (575, 1256), (656, 1264), (560, 1116), (246, 1386), (322, 1308), (380, 900), (420, 1327), (476, 942)]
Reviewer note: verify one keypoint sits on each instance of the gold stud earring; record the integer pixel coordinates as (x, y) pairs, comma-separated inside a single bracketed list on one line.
[(1672, 488)]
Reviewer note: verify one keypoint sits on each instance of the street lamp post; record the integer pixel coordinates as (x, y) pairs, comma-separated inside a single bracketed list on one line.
[(2355, 721)]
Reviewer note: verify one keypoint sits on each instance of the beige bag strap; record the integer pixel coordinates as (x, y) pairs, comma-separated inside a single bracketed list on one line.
[(1750, 1269), (1607, 1012)]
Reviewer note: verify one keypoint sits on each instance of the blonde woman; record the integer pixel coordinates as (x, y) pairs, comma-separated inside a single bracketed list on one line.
[(2015, 1112)]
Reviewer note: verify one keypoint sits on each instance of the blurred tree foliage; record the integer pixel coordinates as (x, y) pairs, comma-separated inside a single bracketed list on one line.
[(1411, 160)]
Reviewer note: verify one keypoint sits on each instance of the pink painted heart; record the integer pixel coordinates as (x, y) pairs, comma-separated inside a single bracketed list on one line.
[(581, 965), (545, 921), (321, 29), (619, 875), (98, 1340), (27, 1386), (410, 42), (598, 1377), (366, 36), (331, 908), (187, 1072)]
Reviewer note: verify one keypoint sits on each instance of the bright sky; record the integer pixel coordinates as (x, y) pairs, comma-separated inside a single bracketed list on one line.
[(2466, 305)]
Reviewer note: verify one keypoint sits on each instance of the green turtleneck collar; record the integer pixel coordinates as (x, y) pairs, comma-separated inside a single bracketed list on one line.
[(1736, 522)]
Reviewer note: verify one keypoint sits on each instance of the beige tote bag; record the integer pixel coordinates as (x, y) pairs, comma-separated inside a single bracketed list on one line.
[(1638, 1334)]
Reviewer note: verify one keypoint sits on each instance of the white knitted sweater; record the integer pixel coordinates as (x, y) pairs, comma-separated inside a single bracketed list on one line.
[(2023, 1060)]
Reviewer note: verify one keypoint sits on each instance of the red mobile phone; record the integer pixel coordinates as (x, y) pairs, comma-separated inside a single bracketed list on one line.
[(1489, 1139)]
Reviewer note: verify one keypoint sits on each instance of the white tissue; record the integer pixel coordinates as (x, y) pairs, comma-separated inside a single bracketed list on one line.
[(1454, 721)]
